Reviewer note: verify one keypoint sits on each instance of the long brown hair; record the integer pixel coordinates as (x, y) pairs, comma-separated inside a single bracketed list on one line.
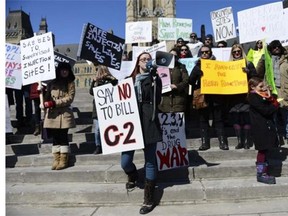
[(137, 68)]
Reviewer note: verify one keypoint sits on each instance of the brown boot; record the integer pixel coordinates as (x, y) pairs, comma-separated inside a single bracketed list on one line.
[(37, 130), (64, 157), (56, 154)]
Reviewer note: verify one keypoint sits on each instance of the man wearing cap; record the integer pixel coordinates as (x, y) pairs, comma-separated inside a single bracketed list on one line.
[(194, 44)]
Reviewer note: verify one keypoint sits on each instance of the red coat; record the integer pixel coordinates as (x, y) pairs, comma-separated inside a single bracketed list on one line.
[(34, 93)]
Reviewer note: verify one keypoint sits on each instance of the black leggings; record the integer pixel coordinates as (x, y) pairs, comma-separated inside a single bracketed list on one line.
[(60, 136)]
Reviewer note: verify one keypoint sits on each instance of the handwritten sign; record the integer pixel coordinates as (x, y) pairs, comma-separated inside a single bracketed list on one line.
[(97, 45), (37, 59), (162, 46), (173, 28), (58, 57), (223, 24), (261, 22), (117, 110), (172, 151), (164, 74), (138, 32), (13, 75), (223, 77)]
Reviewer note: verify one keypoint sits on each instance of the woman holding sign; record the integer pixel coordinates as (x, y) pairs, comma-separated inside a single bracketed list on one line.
[(58, 113), (148, 87), (239, 107)]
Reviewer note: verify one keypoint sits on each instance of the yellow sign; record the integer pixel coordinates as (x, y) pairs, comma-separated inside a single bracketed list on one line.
[(223, 77)]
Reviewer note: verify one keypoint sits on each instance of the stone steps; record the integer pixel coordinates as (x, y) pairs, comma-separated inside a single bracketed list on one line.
[(101, 194)]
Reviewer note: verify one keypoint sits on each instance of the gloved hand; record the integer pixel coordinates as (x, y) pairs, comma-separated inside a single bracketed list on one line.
[(49, 104), (274, 101), (245, 70), (114, 82)]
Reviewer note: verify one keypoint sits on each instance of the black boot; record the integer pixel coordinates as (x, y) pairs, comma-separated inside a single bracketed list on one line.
[(132, 179), (149, 203), (262, 175), (223, 142), (247, 139), (205, 140), (239, 139)]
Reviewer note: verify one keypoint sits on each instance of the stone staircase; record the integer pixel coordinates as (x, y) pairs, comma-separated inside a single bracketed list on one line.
[(212, 176)]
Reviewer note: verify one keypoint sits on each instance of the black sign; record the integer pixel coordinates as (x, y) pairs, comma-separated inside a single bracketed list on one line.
[(97, 45), (58, 57)]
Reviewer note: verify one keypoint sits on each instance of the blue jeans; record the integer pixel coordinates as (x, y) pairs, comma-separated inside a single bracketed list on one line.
[(150, 161), (97, 132)]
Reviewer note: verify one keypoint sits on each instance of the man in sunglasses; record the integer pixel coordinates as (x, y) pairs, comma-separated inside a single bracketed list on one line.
[(194, 44), (278, 58)]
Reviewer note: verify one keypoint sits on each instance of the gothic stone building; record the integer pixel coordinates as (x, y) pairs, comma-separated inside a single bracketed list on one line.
[(18, 27)]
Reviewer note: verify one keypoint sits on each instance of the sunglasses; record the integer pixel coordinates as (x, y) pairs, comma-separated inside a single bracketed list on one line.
[(184, 50), (205, 52), (208, 39), (259, 42), (236, 51), (192, 36), (275, 47), (180, 42)]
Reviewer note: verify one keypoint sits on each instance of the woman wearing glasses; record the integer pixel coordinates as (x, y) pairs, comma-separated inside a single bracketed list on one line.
[(148, 87), (239, 106), (185, 52), (216, 106)]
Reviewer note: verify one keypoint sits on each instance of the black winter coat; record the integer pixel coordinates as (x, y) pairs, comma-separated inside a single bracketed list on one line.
[(263, 128), (151, 129)]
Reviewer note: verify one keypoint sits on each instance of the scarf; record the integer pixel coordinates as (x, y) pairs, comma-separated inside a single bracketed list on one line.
[(138, 80)]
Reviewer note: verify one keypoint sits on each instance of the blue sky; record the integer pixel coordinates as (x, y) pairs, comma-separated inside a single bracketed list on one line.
[(65, 18)]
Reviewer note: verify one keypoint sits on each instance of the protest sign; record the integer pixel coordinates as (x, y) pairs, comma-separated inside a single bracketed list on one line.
[(118, 115), (58, 57), (262, 22), (174, 28), (164, 74), (223, 77), (138, 32), (222, 54), (223, 24), (13, 74), (189, 63), (97, 45), (162, 46), (172, 151), (8, 125), (37, 59)]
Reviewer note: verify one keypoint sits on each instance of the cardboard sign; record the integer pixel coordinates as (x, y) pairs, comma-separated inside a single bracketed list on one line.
[(97, 45), (138, 32), (266, 21), (37, 59), (118, 115), (174, 28), (223, 77), (13, 74), (172, 152), (223, 24)]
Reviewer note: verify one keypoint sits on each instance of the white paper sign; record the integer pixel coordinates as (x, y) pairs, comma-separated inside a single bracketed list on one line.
[(13, 77), (222, 54), (162, 46), (261, 22), (223, 24), (37, 59), (138, 32), (174, 28), (172, 151), (118, 115)]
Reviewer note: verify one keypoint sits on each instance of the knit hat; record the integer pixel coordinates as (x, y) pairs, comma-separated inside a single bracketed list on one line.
[(209, 36)]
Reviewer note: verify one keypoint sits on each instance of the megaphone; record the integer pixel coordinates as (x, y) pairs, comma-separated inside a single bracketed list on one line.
[(163, 59)]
